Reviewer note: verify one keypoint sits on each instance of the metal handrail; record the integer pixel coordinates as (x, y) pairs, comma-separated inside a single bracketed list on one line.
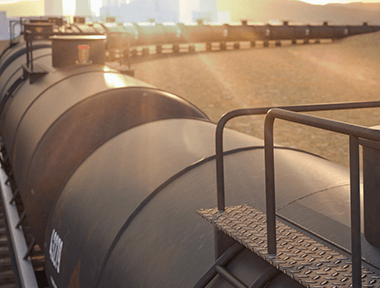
[(261, 111), (355, 132)]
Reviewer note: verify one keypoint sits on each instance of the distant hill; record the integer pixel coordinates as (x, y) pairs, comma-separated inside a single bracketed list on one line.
[(301, 12), (359, 5)]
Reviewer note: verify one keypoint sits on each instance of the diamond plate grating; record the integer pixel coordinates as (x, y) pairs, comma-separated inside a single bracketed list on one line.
[(302, 258)]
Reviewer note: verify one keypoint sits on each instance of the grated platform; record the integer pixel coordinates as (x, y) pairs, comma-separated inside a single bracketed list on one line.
[(307, 261)]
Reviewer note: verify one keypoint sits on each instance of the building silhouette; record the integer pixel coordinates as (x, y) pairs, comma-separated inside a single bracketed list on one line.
[(142, 10), (4, 26), (83, 7), (53, 8), (208, 10)]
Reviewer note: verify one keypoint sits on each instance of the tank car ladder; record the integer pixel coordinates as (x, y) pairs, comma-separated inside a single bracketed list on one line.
[(304, 259)]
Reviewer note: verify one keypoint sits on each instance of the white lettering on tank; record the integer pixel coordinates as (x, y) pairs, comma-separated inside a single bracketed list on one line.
[(53, 282), (55, 250)]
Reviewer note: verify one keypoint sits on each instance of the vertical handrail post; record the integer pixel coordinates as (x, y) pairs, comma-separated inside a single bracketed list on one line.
[(31, 51), (120, 49), (220, 165), (270, 185), (27, 49), (11, 33), (109, 45), (355, 212), (128, 50)]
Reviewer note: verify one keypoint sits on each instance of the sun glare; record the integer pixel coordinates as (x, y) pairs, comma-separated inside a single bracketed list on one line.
[(12, 1), (323, 2)]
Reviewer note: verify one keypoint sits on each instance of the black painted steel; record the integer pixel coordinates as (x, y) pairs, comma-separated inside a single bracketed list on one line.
[(15, 70), (37, 28), (47, 127), (354, 131), (235, 282), (150, 33), (66, 48), (128, 29), (17, 106), (322, 32), (196, 33), (85, 28), (117, 255), (20, 51), (153, 156), (240, 33), (371, 187), (285, 32), (222, 260), (356, 249), (177, 241)]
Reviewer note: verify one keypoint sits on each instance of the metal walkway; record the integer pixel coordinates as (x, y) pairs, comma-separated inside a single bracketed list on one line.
[(299, 256)]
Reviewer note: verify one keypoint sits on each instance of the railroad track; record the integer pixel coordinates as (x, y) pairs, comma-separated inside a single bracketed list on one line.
[(7, 276), (16, 270)]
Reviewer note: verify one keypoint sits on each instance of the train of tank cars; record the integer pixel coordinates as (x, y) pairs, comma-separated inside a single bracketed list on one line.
[(106, 174)]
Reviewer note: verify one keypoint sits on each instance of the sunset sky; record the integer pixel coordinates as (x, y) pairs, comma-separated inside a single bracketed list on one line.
[(36, 7)]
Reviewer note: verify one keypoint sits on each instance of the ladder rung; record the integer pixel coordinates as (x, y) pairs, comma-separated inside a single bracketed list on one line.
[(222, 260), (229, 277)]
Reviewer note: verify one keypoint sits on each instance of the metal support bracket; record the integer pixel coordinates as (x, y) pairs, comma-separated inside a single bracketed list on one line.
[(22, 218), (35, 74), (30, 249), (14, 196)]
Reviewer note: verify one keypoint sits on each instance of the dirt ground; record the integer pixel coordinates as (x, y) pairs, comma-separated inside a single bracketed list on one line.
[(217, 82)]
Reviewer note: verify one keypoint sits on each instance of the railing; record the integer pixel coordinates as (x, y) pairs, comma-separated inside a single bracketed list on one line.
[(354, 131)]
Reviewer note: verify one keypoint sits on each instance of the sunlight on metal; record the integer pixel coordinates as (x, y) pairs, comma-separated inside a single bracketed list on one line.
[(113, 80)]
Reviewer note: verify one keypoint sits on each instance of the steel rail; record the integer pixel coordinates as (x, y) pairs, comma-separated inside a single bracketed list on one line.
[(355, 132), (20, 248)]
